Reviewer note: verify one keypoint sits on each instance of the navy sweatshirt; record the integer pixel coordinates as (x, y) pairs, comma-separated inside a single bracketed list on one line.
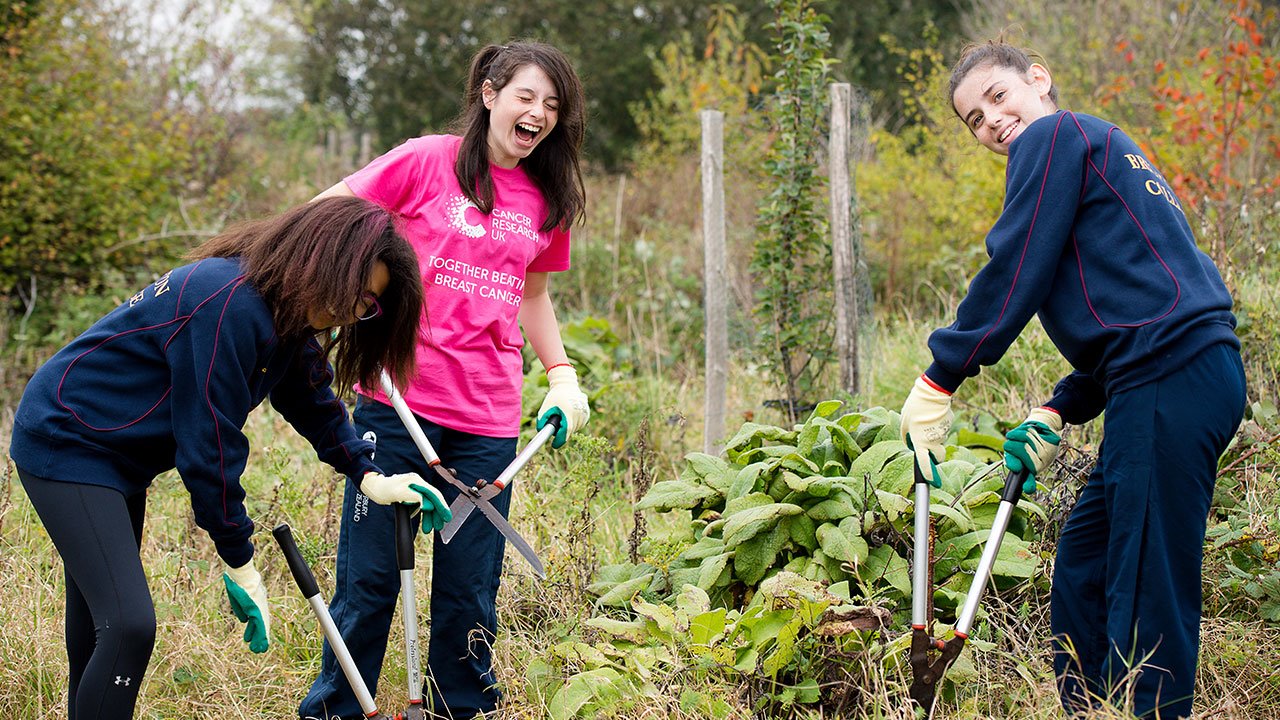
[(1093, 239), (167, 380)]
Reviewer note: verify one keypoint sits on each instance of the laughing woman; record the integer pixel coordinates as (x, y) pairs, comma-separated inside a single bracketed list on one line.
[(167, 380), (489, 211)]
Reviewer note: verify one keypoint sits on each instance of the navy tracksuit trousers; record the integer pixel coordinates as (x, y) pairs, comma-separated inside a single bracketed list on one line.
[(464, 575), (1126, 598)]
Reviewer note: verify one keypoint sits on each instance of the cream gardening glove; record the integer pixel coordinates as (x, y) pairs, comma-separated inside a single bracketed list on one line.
[(565, 399)]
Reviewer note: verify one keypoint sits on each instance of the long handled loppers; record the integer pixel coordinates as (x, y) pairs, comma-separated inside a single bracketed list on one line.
[(406, 530), (475, 499), (926, 672)]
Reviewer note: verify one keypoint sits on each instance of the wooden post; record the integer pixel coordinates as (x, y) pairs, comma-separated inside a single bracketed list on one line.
[(715, 289), (844, 258)]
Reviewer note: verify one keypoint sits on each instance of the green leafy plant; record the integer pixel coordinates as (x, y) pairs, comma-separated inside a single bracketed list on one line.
[(829, 500), (792, 258), (821, 509)]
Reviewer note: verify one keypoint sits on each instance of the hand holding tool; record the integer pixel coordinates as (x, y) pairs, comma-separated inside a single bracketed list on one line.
[(249, 603), (565, 400), (435, 513), (433, 460), (1033, 445), (926, 420), (391, 489)]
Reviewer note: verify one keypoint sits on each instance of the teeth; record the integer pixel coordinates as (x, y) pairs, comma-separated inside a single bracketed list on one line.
[(528, 128)]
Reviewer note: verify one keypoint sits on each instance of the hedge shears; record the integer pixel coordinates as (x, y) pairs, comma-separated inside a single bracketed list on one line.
[(469, 497), (926, 673), (485, 491)]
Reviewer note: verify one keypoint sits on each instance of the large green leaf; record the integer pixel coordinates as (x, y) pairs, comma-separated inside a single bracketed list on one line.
[(884, 566), (629, 630), (765, 453), (714, 571), (837, 507), (746, 502), (873, 421), (753, 558), (746, 480), (893, 504), (842, 546), (956, 474), (609, 576), (620, 595), (845, 443), (811, 434), (803, 531), (753, 435), (707, 627), (599, 688), (690, 601), (747, 524), (661, 619), (898, 475), (826, 409), (704, 548), (971, 439), (800, 464), (873, 460), (699, 465), (673, 494)]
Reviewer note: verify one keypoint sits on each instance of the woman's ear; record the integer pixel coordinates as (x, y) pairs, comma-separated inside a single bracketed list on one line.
[(1040, 79), (487, 94)]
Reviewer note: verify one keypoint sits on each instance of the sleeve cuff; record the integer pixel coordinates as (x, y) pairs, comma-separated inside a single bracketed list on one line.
[(943, 379)]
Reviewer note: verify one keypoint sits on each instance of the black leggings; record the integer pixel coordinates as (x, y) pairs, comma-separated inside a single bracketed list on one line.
[(111, 621)]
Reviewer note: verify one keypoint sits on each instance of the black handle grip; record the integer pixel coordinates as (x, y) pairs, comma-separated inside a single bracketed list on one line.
[(554, 421), (301, 571), (1013, 486), (405, 534), (920, 478)]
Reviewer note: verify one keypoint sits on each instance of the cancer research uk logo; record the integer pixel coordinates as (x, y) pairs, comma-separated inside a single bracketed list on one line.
[(503, 223), (456, 211)]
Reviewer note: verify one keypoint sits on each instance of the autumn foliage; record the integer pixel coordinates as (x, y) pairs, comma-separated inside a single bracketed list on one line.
[(1215, 131)]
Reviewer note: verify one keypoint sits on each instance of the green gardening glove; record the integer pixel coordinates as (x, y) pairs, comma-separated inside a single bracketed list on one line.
[(1033, 445), (249, 603), (435, 511)]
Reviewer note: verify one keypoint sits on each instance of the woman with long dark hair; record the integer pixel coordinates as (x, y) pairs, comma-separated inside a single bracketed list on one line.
[(489, 211), (167, 380)]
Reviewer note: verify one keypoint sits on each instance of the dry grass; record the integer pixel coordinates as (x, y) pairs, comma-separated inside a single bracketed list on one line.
[(576, 509)]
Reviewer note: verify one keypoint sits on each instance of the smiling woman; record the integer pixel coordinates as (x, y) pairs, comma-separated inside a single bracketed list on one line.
[(489, 210), (1093, 242)]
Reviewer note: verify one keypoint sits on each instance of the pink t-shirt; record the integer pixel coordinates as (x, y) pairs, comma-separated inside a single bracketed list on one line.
[(473, 269)]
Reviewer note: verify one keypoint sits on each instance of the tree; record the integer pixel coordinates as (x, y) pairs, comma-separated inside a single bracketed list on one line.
[(82, 162), (792, 259)]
